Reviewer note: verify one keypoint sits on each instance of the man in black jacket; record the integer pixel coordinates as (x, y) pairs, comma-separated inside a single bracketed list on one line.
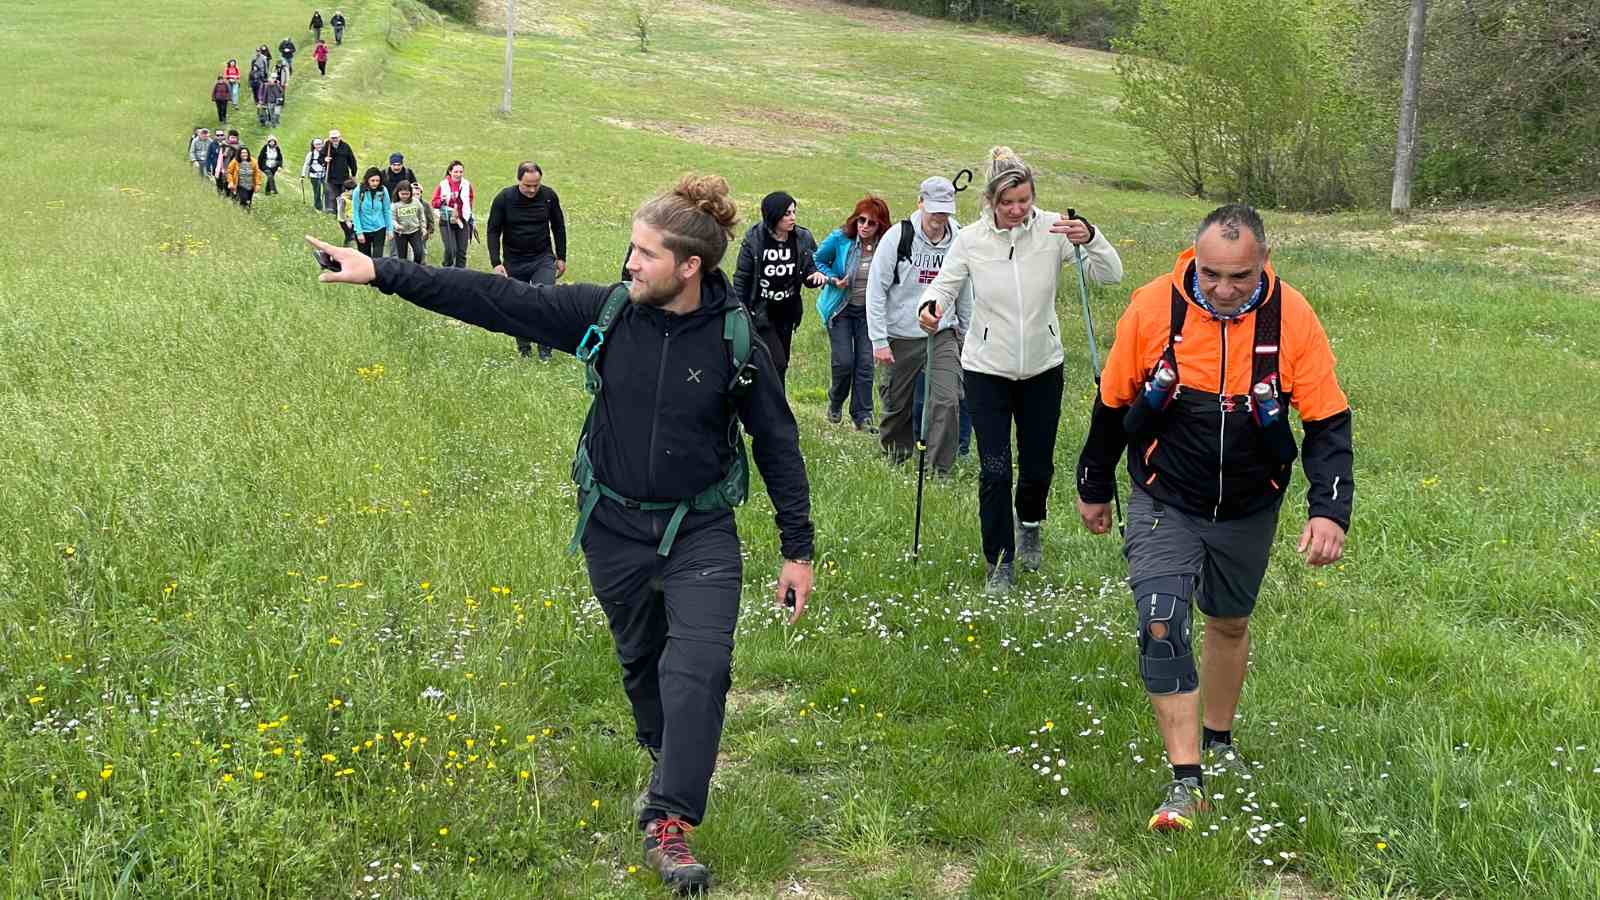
[(775, 260), (526, 217), (286, 51), (397, 174), (658, 432), (339, 161)]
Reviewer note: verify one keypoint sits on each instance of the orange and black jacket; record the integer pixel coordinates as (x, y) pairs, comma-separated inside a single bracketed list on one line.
[(1205, 454)]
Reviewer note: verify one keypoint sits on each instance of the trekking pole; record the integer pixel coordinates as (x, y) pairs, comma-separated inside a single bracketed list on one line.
[(922, 433), (1094, 363)]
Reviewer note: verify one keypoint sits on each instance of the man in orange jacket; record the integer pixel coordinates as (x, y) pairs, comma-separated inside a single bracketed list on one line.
[(1207, 361)]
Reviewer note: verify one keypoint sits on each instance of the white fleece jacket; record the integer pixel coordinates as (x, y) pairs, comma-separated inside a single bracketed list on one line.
[(1014, 332)]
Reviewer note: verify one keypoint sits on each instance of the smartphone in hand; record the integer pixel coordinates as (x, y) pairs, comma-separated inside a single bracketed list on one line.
[(326, 261)]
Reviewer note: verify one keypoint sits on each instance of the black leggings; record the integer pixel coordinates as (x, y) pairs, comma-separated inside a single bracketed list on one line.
[(222, 111), (1035, 405), (373, 246)]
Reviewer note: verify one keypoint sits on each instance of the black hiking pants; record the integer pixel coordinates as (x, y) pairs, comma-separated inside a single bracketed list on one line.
[(672, 620), (1035, 405), (539, 269)]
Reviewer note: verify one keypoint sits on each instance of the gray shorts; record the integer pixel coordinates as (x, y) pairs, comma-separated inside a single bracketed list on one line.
[(1226, 559)]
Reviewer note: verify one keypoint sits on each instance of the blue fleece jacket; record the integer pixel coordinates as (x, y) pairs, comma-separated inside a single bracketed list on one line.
[(370, 211), (836, 257)]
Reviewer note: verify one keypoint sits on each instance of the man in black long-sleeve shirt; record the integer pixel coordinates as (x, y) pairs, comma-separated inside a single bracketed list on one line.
[(527, 219), (658, 433)]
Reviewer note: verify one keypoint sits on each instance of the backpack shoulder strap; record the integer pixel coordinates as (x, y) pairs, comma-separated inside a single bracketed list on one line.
[(903, 251), (736, 333), (1269, 324), (595, 338), (1180, 312)]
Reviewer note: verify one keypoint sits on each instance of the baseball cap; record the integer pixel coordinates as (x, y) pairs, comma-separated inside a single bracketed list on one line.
[(938, 195)]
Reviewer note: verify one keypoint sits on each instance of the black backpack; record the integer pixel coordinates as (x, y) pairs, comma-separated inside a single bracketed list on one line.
[(903, 252)]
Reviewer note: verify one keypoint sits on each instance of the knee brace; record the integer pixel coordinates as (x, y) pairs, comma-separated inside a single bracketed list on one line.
[(1166, 659)]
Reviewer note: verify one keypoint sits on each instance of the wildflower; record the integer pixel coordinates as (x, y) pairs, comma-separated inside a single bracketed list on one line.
[(35, 701), (523, 775), (594, 804), (425, 585), (69, 551), (258, 774), (333, 640), (632, 869), (81, 795), (329, 758), (444, 831), (450, 716), (105, 774), (227, 778), (1383, 845)]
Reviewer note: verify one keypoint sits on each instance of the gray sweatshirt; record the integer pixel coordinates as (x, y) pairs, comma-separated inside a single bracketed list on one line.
[(892, 309)]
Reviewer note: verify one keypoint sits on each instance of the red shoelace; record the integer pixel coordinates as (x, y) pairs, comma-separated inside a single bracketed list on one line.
[(669, 834)]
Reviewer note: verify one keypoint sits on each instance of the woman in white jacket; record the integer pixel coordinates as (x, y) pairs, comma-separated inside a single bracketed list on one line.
[(1011, 361)]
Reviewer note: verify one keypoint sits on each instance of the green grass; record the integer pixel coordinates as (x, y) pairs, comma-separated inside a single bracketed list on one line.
[(230, 544)]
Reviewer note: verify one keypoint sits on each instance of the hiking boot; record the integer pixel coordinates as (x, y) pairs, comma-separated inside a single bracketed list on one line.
[(867, 427), (1177, 813), (1030, 546), (1000, 580), (1225, 759), (835, 414), (666, 851)]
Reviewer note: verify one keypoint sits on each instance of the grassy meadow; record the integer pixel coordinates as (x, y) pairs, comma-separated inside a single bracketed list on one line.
[(283, 593)]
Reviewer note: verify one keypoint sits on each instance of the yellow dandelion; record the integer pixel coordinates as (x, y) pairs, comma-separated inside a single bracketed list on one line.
[(524, 774), (81, 795), (444, 831)]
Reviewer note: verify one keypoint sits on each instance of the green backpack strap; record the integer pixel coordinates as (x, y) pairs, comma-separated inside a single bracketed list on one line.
[(594, 339), (736, 333)]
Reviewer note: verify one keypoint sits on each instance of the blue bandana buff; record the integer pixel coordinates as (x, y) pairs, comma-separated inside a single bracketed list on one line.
[(1252, 303)]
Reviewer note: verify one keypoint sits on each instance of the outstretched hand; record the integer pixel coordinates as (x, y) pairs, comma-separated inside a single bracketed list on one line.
[(355, 267)]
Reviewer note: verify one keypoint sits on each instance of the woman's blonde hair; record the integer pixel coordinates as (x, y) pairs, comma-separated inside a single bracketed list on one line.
[(1004, 171)]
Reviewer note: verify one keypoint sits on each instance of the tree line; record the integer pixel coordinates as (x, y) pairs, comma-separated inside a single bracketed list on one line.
[(1295, 103)]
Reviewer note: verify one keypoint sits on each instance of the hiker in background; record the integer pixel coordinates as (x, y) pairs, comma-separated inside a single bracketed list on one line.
[(397, 174), (526, 219), (280, 74), (259, 65), (273, 93), (338, 27), (1012, 368), (776, 258), (845, 258), (230, 152), (371, 213), (411, 221), (896, 293), (286, 52), (231, 72), (453, 199), (244, 177), (271, 160), (314, 171), (198, 145), (342, 208), (316, 25), (320, 54), (208, 168), (219, 96), (340, 161)]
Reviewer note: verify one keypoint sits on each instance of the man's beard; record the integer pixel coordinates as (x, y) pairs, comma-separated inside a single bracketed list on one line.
[(656, 294)]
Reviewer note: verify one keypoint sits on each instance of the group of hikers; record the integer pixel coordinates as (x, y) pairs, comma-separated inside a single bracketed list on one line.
[(220, 157), (680, 360)]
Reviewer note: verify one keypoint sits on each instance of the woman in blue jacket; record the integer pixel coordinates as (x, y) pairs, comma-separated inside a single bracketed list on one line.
[(371, 214), (844, 258)]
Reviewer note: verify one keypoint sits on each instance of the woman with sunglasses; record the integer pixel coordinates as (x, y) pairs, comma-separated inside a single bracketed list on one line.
[(844, 259)]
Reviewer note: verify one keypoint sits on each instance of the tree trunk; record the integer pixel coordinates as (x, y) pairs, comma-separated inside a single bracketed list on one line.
[(511, 33), (1406, 138)]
